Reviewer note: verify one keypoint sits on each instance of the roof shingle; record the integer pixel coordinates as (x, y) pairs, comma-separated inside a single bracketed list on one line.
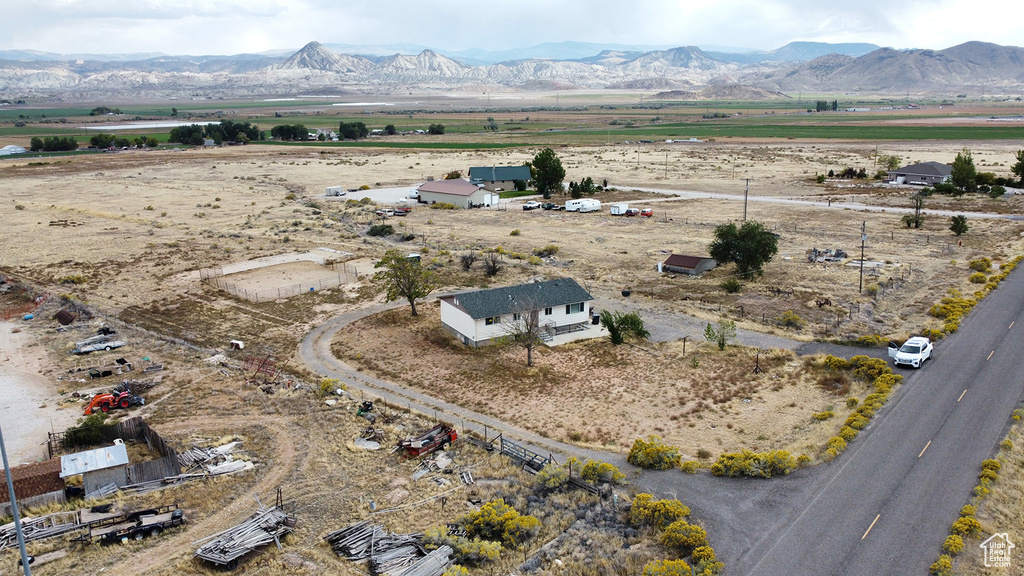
[(520, 298)]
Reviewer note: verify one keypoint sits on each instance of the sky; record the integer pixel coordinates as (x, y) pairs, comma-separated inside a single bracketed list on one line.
[(211, 27)]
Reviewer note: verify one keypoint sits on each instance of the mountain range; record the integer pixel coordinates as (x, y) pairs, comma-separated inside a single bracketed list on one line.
[(682, 72)]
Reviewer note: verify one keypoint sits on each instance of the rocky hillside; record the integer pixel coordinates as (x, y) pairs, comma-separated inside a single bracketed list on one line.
[(689, 71)]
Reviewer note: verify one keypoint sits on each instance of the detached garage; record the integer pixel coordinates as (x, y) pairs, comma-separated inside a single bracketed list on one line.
[(459, 192)]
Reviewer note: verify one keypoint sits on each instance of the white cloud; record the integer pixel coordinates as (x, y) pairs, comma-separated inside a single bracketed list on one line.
[(234, 26)]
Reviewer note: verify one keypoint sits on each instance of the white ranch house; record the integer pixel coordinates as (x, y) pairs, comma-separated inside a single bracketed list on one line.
[(479, 317)]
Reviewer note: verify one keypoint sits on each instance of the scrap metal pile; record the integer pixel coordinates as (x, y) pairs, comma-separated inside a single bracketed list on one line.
[(40, 528), (394, 554), (262, 528)]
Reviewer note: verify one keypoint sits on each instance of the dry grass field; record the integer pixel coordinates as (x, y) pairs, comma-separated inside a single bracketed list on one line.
[(139, 225)]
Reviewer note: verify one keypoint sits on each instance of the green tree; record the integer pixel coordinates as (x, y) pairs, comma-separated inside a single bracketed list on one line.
[(403, 277), (36, 144), (622, 324), (964, 175), (958, 224), (720, 334), (435, 129), (548, 173), (390, 130), (1018, 168), (889, 162), (101, 140), (749, 246), (491, 124), (523, 328), (353, 130)]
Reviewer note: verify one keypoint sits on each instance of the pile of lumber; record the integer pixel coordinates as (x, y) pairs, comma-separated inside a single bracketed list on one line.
[(393, 554), (262, 528), (40, 528), (198, 457)]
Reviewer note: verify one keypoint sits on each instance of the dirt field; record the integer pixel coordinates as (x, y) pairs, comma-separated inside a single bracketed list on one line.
[(140, 225)]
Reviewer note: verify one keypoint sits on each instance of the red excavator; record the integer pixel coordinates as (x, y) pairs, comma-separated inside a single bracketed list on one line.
[(111, 400)]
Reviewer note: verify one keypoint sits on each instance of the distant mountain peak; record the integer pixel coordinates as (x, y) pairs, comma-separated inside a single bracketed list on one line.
[(313, 56)]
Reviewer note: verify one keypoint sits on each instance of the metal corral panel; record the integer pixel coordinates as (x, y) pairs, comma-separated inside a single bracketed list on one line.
[(92, 460)]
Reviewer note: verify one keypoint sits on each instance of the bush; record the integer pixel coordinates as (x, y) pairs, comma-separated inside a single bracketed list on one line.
[(991, 475), (980, 265), (653, 454), (667, 568), (953, 545), (622, 324), (823, 415), (380, 230), (965, 526), (790, 319), (754, 464), (690, 466), (942, 567), (977, 278), (851, 402), (443, 206), (646, 511), (515, 232), (869, 368), (74, 279), (847, 433), (684, 537), (456, 570), (705, 563), (497, 521), (836, 444), (997, 191), (803, 460), (992, 465), (1006, 445), (595, 471), (836, 364), (551, 477), (731, 285), (870, 340), (967, 511), (547, 251), (467, 260)]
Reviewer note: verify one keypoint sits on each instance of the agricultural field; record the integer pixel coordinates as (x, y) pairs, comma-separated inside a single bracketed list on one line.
[(128, 235)]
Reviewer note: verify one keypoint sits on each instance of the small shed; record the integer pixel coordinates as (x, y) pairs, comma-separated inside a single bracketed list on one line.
[(99, 468), (682, 264), (34, 485)]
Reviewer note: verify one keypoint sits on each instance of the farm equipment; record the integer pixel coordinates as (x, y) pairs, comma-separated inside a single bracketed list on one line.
[(137, 525), (440, 436), (111, 400)]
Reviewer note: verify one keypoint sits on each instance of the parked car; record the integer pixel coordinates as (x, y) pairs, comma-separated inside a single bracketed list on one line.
[(402, 211), (632, 211), (914, 352), (646, 212), (531, 205), (549, 205), (385, 212)]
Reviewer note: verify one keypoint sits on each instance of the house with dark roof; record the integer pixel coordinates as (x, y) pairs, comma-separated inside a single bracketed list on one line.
[(497, 178), (682, 264), (923, 174), (458, 192), (479, 317)]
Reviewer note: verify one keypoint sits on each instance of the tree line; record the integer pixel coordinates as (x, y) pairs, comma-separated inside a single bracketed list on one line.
[(225, 131), (53, 144), (110, 140)]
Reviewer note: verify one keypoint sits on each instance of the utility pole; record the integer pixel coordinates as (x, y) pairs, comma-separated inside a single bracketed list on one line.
[(863, 239), (14, 508), (745, 192)]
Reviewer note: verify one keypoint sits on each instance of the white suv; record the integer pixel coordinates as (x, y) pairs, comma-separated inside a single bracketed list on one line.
[(913, 352)]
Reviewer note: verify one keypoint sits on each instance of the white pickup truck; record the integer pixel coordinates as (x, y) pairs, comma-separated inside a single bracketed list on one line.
[(914, 352), (95, 344)]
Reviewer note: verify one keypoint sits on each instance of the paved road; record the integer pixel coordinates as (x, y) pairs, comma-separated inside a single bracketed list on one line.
[(916, 465), (905, 477)]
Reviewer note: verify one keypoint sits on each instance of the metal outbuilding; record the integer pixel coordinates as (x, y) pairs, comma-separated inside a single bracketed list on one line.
[(99, 468)]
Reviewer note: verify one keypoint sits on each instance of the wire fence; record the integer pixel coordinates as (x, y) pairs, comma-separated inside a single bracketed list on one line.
[(345, 274)]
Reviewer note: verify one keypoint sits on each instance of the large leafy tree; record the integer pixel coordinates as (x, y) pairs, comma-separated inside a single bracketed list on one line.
[(548, 173), (964, 174), (1018, 168), (749, 246), (354, 130), (400, 276)]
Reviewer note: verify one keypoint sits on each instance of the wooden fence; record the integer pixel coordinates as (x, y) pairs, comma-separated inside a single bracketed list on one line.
[(135, 429)]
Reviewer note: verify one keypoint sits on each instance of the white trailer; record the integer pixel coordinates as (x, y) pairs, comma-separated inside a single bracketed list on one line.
[(335, 190), (618, 209), (582, 205)]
